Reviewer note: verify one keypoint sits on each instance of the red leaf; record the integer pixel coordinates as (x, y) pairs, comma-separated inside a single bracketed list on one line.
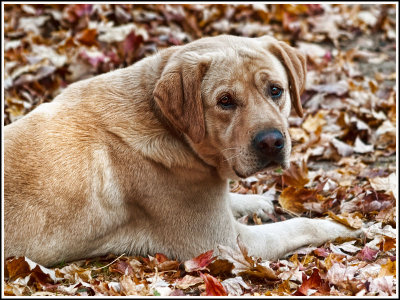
[(313, 282), (161, 257), (87, 37), (213, 286), (321, 252), (367, 254), (121, 267), (200, 262)]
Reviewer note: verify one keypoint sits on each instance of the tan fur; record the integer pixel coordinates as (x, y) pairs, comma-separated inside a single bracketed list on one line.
[(136, 161)]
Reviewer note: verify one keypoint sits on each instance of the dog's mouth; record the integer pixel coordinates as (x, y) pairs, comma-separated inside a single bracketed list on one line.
[(271, 165)]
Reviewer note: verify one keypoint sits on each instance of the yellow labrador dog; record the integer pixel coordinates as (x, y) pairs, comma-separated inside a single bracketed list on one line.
[(137, 160)]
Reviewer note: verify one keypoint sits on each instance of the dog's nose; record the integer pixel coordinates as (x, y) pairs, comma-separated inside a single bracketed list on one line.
[(269, 142)]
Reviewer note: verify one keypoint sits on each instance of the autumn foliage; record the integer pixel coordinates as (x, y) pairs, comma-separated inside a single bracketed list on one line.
[(344, 149)]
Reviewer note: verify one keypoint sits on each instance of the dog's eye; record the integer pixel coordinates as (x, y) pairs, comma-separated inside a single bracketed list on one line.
[(226, 102), (275, 91)]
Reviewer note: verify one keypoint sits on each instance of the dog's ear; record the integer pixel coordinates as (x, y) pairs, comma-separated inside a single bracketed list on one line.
[(178, 94), (295, 65)]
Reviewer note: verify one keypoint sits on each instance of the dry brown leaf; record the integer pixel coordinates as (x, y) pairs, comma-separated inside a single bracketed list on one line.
[(387, 243), (221, 267), (296, 175), (352, 220), (293, 198), (387, 184), (187, 281), (244, 264)]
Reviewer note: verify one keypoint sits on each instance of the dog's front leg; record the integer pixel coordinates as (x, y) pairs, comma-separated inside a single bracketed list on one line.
[(273, 241), (243, 205)]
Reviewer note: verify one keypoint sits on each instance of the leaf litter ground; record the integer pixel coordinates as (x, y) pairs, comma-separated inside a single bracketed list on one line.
[(344, 149)]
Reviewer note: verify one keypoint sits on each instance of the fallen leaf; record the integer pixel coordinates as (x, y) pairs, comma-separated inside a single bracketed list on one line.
[(333, 258), (387, 184), (74, 270), (234, 286), (312, 282), (383, 286), (244, 264), (221, 267), (110, 34), (342, 148), (360, 147), (336, 250), (121, 267), (161, 258), (158, 286), (292, 274), (323, 252), (367, 254), (387, 243), (349, 247), (213, 285), (340, 273), (200, 262), (296, 175), (338, 88), (168, 265), (87, 37), (130, 288), (177, 292), (23, 266), (314, 123), (377, 229), (292, 198), (388, 269), (352, 220), (187, 281)]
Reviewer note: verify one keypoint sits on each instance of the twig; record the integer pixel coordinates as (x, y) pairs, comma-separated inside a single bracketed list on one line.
[(109, 263)]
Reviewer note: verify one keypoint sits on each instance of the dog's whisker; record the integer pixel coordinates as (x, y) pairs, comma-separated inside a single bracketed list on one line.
[(229, 158), (234, 148)]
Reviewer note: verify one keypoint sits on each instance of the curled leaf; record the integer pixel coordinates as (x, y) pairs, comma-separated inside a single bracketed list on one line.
[(352, 220), (200, 262), (244, 264), (213, 285)]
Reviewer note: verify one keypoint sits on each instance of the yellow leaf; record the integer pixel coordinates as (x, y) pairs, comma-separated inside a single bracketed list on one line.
[(388, 269), (294, 259), (307, 260), (313, 123), (333, 258), (388, 243), (352, 220), (292, 198)]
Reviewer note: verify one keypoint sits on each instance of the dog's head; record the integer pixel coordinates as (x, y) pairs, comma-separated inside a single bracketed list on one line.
[(231, 97)]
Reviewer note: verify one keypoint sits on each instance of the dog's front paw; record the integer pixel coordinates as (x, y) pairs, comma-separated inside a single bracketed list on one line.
[(334, 229), (247, 205)]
